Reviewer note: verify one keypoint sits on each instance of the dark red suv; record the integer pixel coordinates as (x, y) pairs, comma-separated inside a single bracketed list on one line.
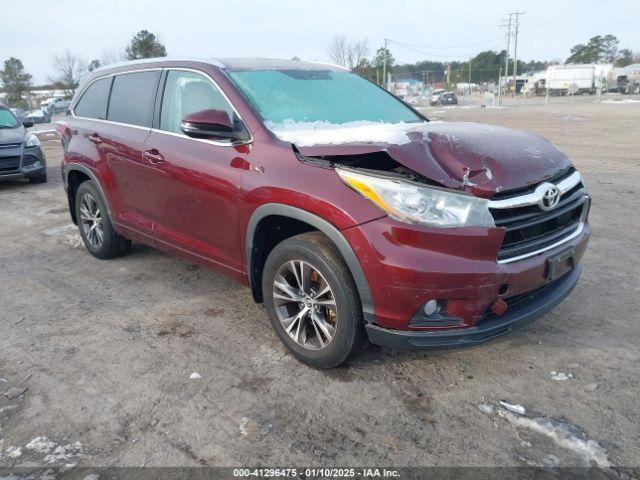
[(348, 213)]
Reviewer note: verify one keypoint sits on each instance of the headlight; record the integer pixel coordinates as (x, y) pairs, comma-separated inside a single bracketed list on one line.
[(32, 141), (413, 203)]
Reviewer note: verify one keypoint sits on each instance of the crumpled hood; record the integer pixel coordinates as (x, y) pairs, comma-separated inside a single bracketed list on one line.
[(482, 159)]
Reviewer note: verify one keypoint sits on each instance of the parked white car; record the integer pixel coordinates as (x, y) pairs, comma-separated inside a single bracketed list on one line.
[(57, 103), (435, 97)]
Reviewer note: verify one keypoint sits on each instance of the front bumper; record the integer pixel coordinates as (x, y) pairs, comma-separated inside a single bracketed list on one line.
[(531, 308), (31, 163)]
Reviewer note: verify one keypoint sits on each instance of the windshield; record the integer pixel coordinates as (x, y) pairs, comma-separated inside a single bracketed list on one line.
[(303, 96), (7, 119)]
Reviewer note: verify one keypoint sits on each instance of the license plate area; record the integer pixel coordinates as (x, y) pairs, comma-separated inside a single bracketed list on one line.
[(559, 264)]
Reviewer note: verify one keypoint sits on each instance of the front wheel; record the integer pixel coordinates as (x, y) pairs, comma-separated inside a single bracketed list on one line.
[(312, 301)]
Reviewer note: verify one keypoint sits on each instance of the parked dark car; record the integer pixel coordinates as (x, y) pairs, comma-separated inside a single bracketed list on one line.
[(37, 116), (18, 112), (348, 213), (21, 155), (448, 98)]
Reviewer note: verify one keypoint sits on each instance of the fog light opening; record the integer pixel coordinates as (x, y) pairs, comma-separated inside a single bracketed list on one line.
[(432, 307)]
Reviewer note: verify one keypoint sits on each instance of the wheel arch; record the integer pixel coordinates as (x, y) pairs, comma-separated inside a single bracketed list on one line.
[(319, 224), (76, 169)]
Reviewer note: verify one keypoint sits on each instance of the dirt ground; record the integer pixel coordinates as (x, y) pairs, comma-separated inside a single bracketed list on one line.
[(98, 356)]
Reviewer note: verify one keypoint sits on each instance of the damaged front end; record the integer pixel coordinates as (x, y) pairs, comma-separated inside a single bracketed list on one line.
[(480, 159), (462, 241)]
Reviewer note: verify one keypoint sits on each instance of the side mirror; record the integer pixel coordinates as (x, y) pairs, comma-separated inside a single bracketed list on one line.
[(27, 123), (208, 124)]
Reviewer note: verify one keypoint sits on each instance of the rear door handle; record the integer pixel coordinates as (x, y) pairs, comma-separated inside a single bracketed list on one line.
[(154, 156), (95, 138)]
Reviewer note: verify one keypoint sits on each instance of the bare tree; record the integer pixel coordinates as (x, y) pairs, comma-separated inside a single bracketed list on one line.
[(338, 50), (348, 53), (359, 51), (111, 56), (69, 69)]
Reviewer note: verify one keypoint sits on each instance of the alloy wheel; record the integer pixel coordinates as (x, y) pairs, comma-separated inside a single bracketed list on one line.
[(91, 221), (305, 304)]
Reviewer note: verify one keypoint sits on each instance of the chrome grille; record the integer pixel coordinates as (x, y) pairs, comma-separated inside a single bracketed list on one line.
[(530, 229)]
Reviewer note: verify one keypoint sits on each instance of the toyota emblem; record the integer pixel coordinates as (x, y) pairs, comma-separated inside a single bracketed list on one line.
[(550, 198)]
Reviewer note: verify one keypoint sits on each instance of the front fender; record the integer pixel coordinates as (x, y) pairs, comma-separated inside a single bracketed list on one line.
[(323, 226)]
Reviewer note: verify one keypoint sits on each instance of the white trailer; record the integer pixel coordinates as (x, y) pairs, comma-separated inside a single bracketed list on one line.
[(571, 79)]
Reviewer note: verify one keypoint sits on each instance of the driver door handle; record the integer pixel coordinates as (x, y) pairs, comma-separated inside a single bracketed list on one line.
[(95, 138), (153, 156)]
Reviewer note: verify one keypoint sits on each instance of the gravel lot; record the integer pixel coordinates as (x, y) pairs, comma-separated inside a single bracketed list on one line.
[(97, 356)]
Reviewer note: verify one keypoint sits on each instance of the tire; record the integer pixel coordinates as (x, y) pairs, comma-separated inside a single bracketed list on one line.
[(109, 244), (313, 257), (39, 179)]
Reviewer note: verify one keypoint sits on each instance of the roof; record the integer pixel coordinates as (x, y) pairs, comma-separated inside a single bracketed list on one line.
[(235, 63), (275, 64)]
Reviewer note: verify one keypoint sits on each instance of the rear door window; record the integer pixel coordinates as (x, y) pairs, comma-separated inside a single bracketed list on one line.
[(132, 98), (93, 103)]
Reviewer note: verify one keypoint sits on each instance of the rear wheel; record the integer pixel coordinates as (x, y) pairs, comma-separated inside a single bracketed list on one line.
[(312, 301), (96, 230)]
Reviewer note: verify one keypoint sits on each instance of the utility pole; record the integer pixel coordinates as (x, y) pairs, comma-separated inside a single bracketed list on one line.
[(499, 89), (469, 76), (515, 48), (384, 63), (506, 60)]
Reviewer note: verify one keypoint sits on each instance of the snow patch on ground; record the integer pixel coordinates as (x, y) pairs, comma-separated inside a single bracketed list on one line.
[(55, 454), (626, 100), (564, 435), (561, 376), (461, 107), (60, 230), (74, 240), (513, 407), (64, 454), (41, 445), (14, 452), (486, 408), (560, 432), (306, 134)]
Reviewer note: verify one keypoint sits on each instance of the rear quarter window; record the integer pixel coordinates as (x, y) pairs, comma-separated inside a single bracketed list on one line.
[(93, 103), (132, 98)]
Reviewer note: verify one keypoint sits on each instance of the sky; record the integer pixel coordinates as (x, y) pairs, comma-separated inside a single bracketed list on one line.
[(435, 30)]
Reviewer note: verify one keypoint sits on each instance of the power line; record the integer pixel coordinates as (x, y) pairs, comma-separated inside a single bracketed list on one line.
[(431, 54), (490, 40)]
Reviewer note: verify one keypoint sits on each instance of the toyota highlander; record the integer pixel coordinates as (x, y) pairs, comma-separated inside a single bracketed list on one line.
[(350, 215)]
